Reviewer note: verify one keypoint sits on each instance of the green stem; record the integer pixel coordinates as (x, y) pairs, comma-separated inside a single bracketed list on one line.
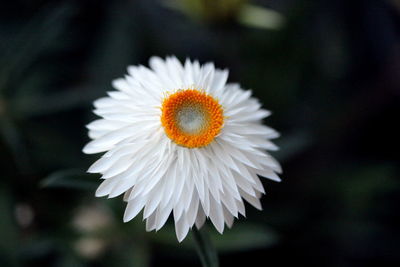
[(205, 249)]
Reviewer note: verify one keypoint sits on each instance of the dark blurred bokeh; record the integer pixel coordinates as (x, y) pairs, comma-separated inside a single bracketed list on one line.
[(329, 71)]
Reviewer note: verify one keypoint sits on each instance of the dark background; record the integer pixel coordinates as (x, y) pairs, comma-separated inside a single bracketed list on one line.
[(330, 74)]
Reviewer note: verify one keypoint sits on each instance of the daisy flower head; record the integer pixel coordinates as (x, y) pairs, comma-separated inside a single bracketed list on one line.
[(178, 139)]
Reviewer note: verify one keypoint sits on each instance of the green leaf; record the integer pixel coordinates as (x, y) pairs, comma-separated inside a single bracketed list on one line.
[(75, 179), (292, 145), (38, 105)]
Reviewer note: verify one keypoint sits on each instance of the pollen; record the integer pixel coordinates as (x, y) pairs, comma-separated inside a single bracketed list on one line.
[(191, 118)]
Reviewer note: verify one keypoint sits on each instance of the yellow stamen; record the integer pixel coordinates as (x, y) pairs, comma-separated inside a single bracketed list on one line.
[(191, 118)]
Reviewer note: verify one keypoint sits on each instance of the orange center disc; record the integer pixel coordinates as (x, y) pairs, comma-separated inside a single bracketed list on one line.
[(191, 118)]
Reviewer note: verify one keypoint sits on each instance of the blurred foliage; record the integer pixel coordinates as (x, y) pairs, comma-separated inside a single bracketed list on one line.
[(228, 11), (329, 71), (221, 11), (70, 179)]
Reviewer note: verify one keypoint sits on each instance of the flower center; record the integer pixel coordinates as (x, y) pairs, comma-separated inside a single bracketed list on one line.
[(191, 118)]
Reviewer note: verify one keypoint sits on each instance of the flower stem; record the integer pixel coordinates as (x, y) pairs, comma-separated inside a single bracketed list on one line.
[(205, 249)]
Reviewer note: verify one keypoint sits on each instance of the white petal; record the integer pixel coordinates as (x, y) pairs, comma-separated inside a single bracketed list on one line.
[(254, 201), (162, 215), (241, 208), (200, 218), (192, 210), (151, 222), (228, 218), (133, 207), (181, 228), (126, 195), (105, 187), (230, 204), (152, 204), (217, 215), (218, 83), (269, 174)]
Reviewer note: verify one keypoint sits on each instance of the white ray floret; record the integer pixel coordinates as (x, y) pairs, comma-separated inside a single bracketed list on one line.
[(160, 176)]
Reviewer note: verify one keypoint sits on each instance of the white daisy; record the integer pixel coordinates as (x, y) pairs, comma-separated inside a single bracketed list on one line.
[(180, 139)]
